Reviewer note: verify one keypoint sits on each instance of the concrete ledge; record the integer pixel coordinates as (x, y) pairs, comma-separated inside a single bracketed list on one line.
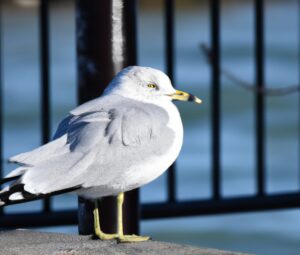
[(25, 242)]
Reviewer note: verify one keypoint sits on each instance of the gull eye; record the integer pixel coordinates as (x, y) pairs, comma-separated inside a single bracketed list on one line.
[(152, 86)]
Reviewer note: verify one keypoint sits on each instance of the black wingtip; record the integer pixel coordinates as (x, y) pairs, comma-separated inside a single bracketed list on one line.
[(5, 180), (27, 196)]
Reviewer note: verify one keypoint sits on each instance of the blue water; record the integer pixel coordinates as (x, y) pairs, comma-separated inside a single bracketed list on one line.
[(261, 233)]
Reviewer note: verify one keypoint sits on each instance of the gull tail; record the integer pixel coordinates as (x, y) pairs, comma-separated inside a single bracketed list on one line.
[(15, 192)]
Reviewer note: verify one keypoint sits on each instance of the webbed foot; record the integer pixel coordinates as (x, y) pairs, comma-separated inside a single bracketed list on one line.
[(132, 238)]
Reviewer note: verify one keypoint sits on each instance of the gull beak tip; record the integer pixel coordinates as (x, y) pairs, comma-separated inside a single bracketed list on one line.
[(198, 100)]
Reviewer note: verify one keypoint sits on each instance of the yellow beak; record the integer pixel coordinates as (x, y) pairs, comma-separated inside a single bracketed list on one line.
[(183, 96)]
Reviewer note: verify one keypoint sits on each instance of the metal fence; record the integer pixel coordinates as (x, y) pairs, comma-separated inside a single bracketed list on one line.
[(216, 204)]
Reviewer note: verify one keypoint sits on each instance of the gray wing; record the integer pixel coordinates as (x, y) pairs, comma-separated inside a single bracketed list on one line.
[(92, 146), (64, 134), (63, 161)]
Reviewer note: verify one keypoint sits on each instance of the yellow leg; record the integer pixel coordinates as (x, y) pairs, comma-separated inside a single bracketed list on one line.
[(121, 237), (120, 201), (98, 232)]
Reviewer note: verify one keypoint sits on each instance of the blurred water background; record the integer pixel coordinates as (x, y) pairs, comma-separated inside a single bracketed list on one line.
[(261, 233)]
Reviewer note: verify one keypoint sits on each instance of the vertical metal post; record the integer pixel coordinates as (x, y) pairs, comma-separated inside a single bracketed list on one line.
[(215, 97), (45, 79), (259, 98), (169, 49), (106, 43)]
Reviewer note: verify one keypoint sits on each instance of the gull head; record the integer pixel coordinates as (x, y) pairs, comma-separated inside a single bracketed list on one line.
[(146, 84)]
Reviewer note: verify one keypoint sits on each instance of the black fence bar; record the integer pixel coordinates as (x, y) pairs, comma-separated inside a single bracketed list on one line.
[(103, 49), (259, 97), (164, 210), (169, 50), (215, 97), (1, 103), (169, 39), (45, 79), (298, 49), (221, 206)]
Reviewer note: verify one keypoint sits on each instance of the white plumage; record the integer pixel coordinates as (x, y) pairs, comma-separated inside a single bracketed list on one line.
[(112, 144)]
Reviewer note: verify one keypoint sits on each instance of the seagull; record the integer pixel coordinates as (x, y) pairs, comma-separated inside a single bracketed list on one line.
[(117, 142)]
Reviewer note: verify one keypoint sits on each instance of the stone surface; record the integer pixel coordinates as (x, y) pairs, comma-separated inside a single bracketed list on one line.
[(25, 242)]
